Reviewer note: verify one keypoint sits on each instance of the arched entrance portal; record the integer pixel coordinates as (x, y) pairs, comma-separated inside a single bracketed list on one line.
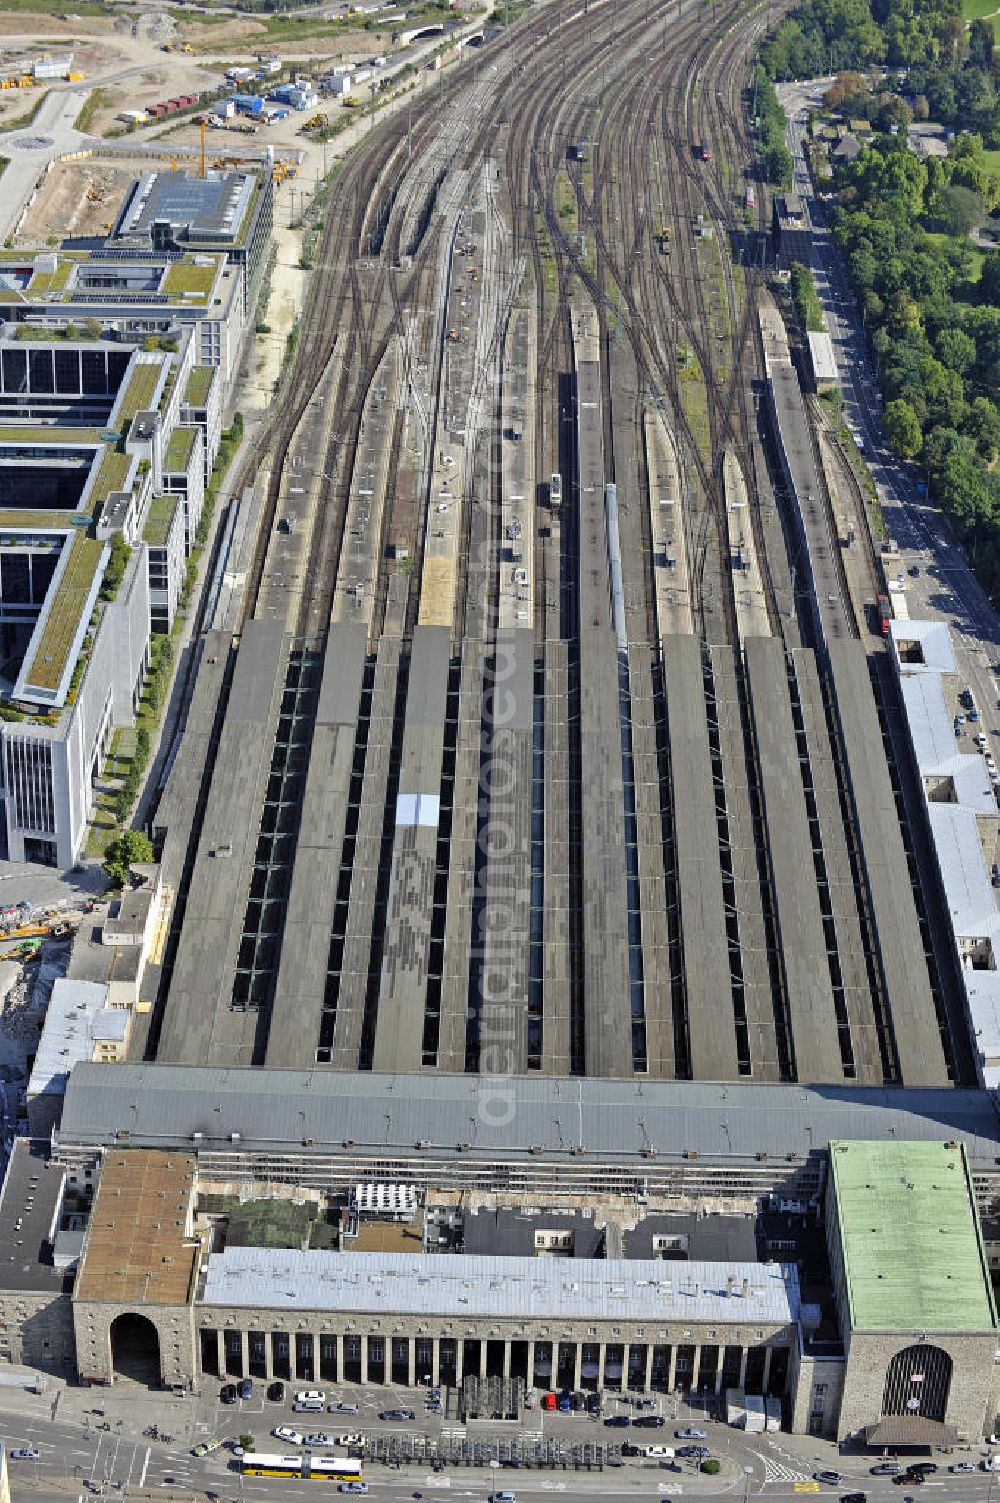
[(135, 1350), (917, 1383)]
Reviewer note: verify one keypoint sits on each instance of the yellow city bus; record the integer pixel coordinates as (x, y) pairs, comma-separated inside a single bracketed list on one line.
[(309, 1468)]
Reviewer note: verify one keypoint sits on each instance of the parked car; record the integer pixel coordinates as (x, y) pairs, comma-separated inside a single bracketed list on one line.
[(690, 1433), (649, 1422), (397, 1414), (341, 1408), (276, 1392), (285, 1432), (962, 1466), (246, 1388), (227, 1393), (618, 1421), (701, 1451), (306, 1395), (354, 1439), (887, 1469), (320, 1438), (927, 1467)]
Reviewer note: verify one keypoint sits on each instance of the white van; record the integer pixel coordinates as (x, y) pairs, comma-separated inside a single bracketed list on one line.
[(307, 1406), (310, 1393)]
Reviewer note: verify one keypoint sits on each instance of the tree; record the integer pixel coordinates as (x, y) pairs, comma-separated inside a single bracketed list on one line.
[(957, 210), (116, 566), (981, 41), (984, 326), (130, 846), (844, 86), (902, 428), (778, 165), (989, 280), (956, 350), (982, 424), (952, 38)]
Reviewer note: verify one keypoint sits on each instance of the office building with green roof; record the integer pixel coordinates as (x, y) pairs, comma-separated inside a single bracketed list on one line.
[(93, 453)]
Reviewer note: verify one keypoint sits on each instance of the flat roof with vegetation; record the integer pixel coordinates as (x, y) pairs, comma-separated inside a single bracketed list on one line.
[(177, 454), (159, 521), (63, 613), (54, 436), (199, 384), (188, 278), (33, 522), (912, 1248), (47, 283), (112, 474), (139, 391), (69, 601)]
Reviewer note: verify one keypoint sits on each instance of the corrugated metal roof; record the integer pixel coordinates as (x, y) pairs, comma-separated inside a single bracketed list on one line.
[(824, 361), (532, 1288), (934, 640), (935, 747), (505, 1118), (970, 896), (68, 1033)]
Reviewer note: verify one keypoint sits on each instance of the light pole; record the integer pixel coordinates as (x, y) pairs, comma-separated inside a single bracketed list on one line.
[(747, 1474)]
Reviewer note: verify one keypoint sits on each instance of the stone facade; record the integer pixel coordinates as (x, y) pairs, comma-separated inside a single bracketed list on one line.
[(174, 1325), (815, 1388), (36, 1330), (972, 1398), (398, 1348)]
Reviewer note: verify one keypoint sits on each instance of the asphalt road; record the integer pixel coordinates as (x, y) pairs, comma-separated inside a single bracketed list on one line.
[(75, 1450)]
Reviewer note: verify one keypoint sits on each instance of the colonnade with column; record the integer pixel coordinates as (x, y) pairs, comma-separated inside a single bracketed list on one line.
[(311, 1354)]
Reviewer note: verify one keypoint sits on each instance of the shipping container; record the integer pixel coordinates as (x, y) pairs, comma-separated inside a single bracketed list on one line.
[(48, 67)]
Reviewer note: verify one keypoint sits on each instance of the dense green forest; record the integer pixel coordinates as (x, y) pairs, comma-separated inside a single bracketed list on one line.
[(934, 325), (951, 71), (930, 298)]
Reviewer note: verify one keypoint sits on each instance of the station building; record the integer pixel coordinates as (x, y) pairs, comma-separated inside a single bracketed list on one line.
[(854, 1291), (914, 1300)]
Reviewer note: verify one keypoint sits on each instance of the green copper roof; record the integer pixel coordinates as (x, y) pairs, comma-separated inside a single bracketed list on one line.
[(913, 1254)]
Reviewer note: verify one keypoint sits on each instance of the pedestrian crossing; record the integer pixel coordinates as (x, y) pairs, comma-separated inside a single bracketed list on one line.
[(777, 1471)]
